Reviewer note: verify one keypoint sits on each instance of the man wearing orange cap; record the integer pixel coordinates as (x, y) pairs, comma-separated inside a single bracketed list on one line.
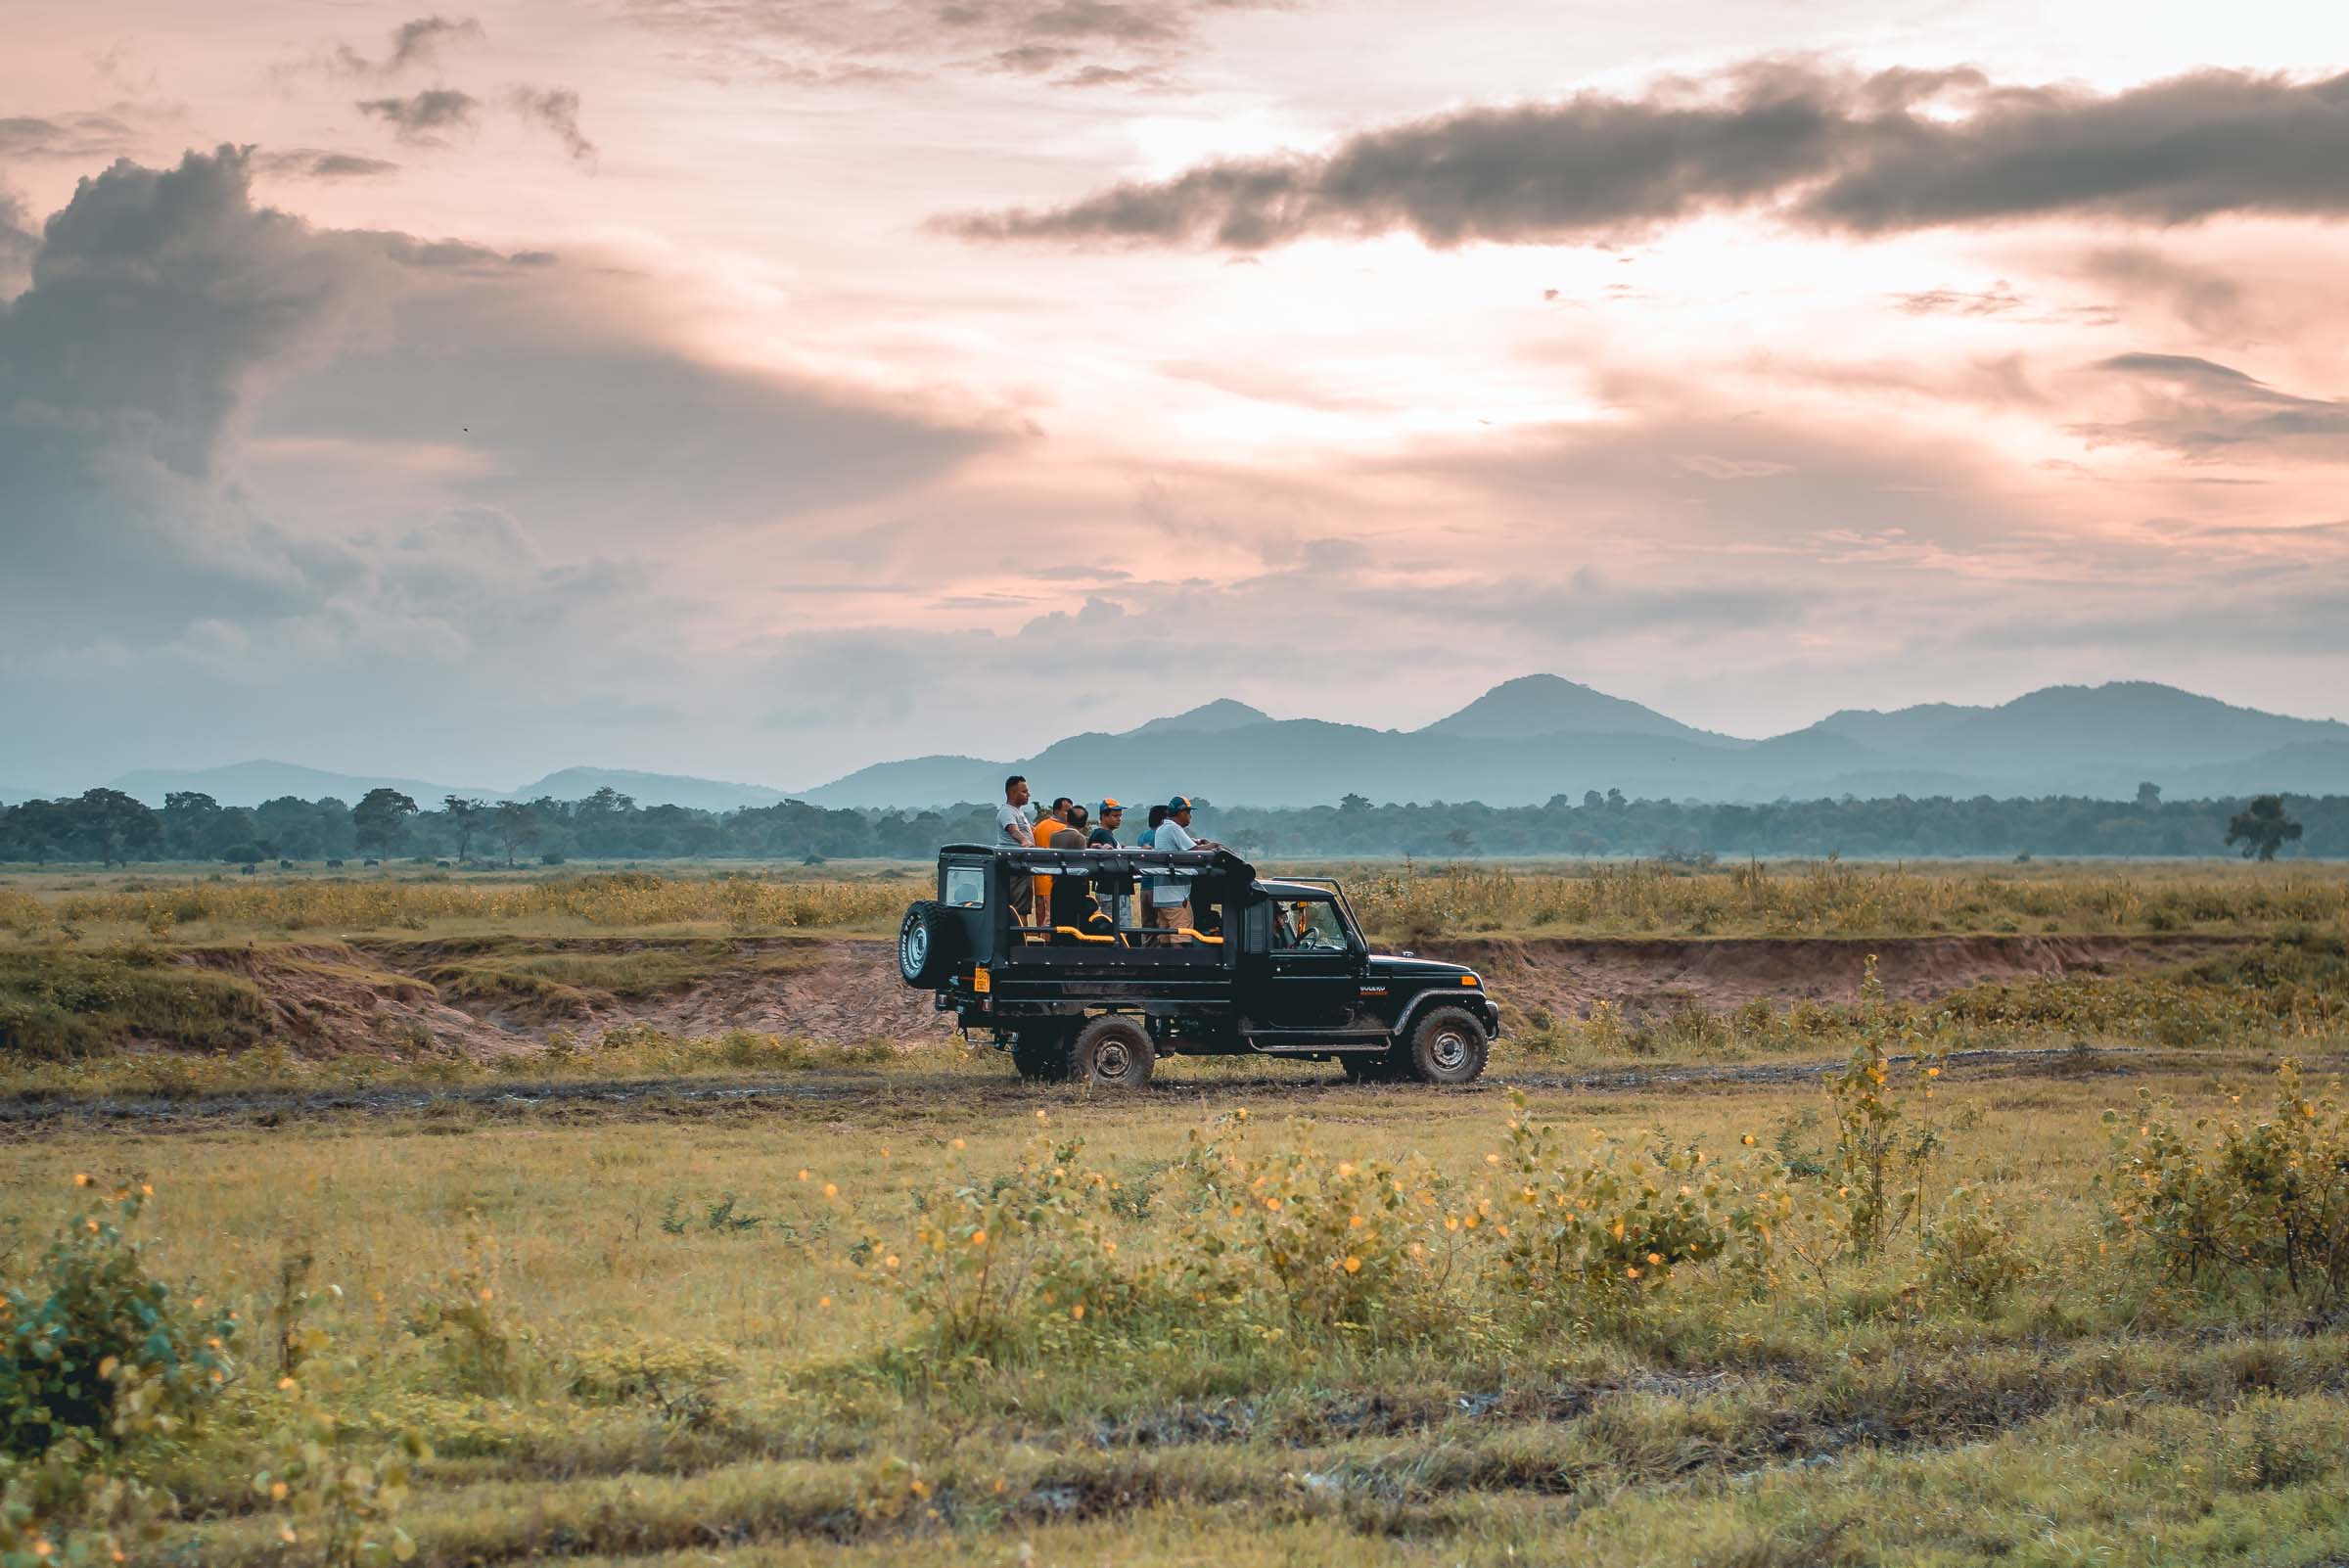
[(1105, 831)]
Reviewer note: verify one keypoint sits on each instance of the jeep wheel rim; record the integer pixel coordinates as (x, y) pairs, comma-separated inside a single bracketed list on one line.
[(1112, 1059), (1449, 1050), (913, 949)]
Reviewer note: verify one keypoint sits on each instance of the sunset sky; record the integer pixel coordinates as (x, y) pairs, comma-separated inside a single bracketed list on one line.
[(764, 388)]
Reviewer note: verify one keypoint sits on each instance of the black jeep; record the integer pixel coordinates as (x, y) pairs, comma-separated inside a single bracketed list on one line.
[(1275, 968)]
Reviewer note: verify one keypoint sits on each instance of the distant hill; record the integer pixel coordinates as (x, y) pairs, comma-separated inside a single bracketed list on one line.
[(1521, 743), (252, 783), (1207, 719), (1539, 736), (1534, 705), (649, 789)]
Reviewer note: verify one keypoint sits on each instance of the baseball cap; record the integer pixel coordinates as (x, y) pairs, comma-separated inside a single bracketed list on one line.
[(1180, 803), (1109, 804)]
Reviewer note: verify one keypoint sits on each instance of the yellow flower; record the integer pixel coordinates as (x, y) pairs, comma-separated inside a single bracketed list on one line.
[(1630, 1272), (277, 1490), (831, 1189), (890, 1262), (485, 1293), (1655, 1257), (106, 1367), (1492, 1158), (978, 1238), (957, 1144), (803, 1173), (823, 1301), (1354, 1222), (1747, 1141), (1077, 1310), (81, 1179), (1354, 1266), (1345, 1168)]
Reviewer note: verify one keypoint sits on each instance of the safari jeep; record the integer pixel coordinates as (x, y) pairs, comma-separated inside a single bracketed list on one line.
[(1273, 968)]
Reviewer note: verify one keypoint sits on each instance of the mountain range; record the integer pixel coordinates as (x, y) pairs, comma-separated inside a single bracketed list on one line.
[(1523, 742)]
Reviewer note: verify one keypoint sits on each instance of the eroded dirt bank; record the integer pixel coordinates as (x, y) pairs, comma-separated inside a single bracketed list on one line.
[(501, 997), (1569, 976)]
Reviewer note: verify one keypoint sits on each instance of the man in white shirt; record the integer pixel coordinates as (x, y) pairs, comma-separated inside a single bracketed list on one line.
[(1013, 827), (1170, 893)]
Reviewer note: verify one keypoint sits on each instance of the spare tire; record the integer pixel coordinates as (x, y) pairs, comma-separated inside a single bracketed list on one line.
[(927, 948)]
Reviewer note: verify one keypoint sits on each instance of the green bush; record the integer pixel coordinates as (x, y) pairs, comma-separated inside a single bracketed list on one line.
[(97, 1350), (2268, 1199)]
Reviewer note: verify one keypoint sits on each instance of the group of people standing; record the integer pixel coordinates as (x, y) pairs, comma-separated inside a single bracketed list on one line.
[(1067, 824)]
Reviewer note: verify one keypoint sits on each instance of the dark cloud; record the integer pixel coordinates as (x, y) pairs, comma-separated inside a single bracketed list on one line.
[(422, 117), (2204, 409), (1816, 148), (70, 136), (415, 42), (18, 242), (1098, 42), (175, 336), (309, 163), (558, 109)]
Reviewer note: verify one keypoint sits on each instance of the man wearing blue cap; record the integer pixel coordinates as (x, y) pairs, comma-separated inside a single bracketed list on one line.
[(1171, 893)]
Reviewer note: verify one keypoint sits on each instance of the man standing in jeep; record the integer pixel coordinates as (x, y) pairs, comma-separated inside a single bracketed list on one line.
[(1171, 895)]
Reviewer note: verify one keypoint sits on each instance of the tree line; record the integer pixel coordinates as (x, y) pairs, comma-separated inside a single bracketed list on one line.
[(110, 827)]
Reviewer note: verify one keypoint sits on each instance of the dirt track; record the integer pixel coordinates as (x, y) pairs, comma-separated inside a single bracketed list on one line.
[(665, 1098)]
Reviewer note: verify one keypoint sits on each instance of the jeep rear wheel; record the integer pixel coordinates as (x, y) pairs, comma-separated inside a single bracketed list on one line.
[(1447, 1046), (1113, 1051), (926, 946)]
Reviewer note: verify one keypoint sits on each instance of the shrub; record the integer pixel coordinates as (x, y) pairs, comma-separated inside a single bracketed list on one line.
[(1972, 1255), (1618, 1218), (337, 1508), (99, 1351), (1871, 1153), (2269, 1199), (65, 1507), (1295, 1235), (479, 1349), (1011, 1263)]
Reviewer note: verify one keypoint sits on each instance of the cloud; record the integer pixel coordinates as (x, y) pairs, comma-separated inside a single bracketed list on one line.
[(1101, 42), (239, 482), (415, 42), (422, 117), (2210, 301), (558, 109), (66, 136), (2200, 409), (1814, 147), (310, 164), (1996, 300)]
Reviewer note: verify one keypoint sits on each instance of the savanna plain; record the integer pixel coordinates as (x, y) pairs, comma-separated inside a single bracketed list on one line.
[(1809, 1214)]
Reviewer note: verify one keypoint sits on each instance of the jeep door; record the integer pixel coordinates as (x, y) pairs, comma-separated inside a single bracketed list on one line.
[(1312, 970)]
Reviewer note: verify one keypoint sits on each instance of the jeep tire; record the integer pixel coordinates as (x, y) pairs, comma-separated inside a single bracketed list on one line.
[(927, 945), (1448, 1046), (1112, 1051)]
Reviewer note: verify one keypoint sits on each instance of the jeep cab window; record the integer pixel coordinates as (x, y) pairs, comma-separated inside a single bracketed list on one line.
[(1056, 956)]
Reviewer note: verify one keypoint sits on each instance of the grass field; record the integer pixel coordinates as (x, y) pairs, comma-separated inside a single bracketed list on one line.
[(1396, 904), (635, 1338), (1924, 1307)]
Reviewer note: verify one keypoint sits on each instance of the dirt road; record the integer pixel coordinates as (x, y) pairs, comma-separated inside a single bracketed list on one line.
[(897, 1089)]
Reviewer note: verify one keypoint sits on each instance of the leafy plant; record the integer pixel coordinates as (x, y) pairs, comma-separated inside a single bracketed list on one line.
[(2267, 1198), (96, 1349)]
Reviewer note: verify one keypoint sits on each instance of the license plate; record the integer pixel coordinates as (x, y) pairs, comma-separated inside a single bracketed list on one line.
[(982, 982)]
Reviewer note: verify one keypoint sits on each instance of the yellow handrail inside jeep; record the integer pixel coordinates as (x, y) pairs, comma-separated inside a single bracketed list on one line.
[(1200, 935), (1080, 935)]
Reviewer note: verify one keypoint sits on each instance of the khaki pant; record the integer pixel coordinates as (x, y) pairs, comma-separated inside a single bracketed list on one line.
[(1171, 916)]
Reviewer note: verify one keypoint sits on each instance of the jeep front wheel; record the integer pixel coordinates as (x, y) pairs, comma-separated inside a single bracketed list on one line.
[(1447, 1046), (1112, 1051)]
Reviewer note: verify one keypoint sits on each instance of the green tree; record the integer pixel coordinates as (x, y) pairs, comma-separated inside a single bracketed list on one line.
[(381, 819), (2148, 794), (1351, 803), (2263, 828), (110, 827), (466, 816), (514, 825), (190, 818)]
